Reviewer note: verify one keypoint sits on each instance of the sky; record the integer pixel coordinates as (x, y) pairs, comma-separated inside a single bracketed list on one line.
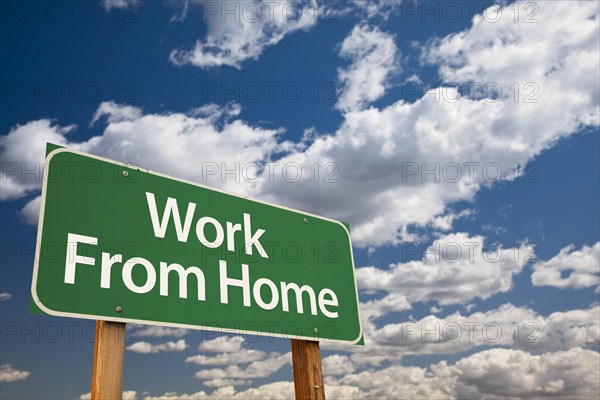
[(458, 139)]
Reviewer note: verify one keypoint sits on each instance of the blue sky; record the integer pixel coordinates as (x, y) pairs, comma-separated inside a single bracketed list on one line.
[(381, 94)]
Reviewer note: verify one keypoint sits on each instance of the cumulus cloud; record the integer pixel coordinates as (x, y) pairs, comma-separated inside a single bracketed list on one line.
[(242, 356), (373, 59), (222, 344), (22, 153), (31, 212), (200, 143), (119, 4), (382, 158), (5, 296), (269, 391), (337, 365), (456, 268), (9, 374), (245, 32), (564, 330), (116, 113), (243, 363), (404, 164), (494, 374), (570, 268), (256, 369), (507, 325), (498, 52), (376, 8), (223, 382), (491, 374), (159, 331), (126, 395), (387, 383), (501, 373), (146, 348), (371, 310), (230, 352)]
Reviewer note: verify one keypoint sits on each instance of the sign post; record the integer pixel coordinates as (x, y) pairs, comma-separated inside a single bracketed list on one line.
[(109, 352), (308, 374), (120, 244)]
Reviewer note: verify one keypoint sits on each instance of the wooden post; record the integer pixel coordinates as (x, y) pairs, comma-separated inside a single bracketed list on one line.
[(109, 352), (308, 375)]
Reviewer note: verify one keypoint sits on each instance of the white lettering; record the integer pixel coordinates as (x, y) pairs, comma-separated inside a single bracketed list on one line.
[(150, 275), (160, 228), (274, 294), (107, 263), (183, 275), (252, 240), (231, 230), (332, 301), (285, 287), (73, 258), (244, 283), (200, 232)]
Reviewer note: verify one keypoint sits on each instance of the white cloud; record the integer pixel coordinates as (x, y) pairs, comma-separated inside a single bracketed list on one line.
[(146, 348), (376, 8), (231, 353), (222, 344), (582, 268), (374, 309), (337, 365), (22, 153), (373, 59), (269, 391), (126, 395), (508, 326), (9, 374), (456, 268), (435, 309), (506, 52), (246, 32), (493, 374), (374, 150), (388, 383), (5, 296), (119, 4), (207, 135), (159, 331), (31, 212), (223, 382), (242, 356), (181, 10), (210, 137), (500, 373), (505, 326), (564, 330), (257, 369), (116, 113), (214, 111)]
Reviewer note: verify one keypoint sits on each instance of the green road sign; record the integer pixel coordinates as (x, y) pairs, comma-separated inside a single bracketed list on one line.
[(125, 244)]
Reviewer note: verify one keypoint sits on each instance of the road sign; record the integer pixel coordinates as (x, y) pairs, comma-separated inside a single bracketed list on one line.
[(125, 244)]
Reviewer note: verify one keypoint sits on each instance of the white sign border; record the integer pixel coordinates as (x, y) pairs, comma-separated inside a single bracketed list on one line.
[(176, 325)]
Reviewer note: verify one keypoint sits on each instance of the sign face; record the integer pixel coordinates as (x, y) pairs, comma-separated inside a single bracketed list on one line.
[(125, 244)]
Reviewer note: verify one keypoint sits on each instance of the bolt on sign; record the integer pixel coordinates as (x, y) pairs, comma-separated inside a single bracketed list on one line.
[(125, 244)]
